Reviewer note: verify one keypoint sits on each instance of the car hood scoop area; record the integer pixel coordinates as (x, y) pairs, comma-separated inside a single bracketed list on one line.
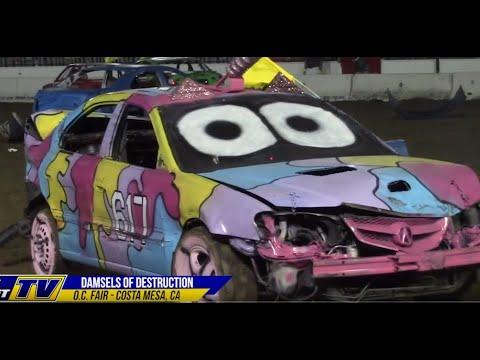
[(327, 171), (399, 186)]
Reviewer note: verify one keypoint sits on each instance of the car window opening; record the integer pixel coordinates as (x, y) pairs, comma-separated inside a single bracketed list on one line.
[(137, 144), (85, 136)]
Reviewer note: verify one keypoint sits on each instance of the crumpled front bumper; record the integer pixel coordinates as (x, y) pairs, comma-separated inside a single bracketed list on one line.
[(391, 264)]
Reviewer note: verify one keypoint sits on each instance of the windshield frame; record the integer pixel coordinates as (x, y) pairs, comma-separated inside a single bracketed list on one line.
[(360, 132)]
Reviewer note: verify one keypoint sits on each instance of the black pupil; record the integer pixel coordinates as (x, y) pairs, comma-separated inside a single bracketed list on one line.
[(300, 123), (224, 130)]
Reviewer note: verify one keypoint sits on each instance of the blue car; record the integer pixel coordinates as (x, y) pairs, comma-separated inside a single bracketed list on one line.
[(97, 79)]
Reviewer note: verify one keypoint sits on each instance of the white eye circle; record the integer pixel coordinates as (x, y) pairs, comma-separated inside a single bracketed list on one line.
[(307, 125), (225, 130)]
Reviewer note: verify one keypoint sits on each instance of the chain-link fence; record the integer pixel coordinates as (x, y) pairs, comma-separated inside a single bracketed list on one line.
[(61, 61), (56, 61)]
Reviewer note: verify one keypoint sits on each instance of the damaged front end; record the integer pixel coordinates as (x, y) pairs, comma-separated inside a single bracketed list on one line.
[(355, 254)]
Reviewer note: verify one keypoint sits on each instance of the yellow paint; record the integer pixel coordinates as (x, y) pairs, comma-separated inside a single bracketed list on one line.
[(56, 168), (98, 247), (131, 295), (111, 59), (262, 73), (386, 160), (32, 291), (47, 122), (194, 189), (165, 156), (107, 98), (105, 184)]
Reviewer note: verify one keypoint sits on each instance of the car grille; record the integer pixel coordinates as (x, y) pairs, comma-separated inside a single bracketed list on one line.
[(399, 234)]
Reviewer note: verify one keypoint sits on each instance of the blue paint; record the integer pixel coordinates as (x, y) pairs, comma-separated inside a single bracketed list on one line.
[(70, 98), (69, 238), (248, 177), (399, 145), (418, 200), (156, 256)]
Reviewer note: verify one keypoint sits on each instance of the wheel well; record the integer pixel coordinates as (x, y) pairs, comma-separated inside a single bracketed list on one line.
[(34, 204), (192, 223)]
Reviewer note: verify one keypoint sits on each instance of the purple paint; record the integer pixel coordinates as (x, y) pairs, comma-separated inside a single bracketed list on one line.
[(228, 212), (36, 151), (356, 187), (67, 182)]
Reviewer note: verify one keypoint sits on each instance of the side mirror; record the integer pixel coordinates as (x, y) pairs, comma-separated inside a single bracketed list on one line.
[(399, 146)]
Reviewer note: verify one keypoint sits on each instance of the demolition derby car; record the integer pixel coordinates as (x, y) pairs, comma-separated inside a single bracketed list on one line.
[(194, 69), (67, 72), (290, 196), (89, 81)]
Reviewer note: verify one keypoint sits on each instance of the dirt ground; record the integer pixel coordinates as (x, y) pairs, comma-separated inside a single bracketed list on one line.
[(451, 139)]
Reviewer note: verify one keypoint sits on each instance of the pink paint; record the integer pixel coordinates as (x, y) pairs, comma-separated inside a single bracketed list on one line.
[(275, 249), (452, 183), (148, 102), (420, 257), (36, 152), (83, 176), (425, 261), (160, 182), (410, 235)]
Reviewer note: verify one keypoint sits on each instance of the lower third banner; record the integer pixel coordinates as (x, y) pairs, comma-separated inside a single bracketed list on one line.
[(69, 288)]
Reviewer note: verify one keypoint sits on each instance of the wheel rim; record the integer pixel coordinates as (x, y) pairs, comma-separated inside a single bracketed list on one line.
[(194, 259), (42, 245)]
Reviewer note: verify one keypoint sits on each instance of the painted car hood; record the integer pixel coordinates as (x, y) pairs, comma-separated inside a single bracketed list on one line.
[(405, 185)]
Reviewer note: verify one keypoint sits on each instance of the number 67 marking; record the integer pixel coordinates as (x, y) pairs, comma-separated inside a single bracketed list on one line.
[(120, 223)]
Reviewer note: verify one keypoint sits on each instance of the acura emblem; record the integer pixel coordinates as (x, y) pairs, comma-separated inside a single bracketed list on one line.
[(404, 237)]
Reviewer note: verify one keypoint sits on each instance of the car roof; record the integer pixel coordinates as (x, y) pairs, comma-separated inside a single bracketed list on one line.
[(150, 98), (173, 60), (115, 66)]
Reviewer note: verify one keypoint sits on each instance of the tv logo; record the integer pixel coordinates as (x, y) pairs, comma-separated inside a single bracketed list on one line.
[(37, 288), (4, 293)]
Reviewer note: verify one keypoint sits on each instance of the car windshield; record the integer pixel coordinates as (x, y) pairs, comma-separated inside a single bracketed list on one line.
[(68, 71), (258, 128)]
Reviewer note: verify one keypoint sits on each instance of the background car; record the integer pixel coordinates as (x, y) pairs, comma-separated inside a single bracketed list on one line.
[(68, 71), (89, 81), (193, 68)]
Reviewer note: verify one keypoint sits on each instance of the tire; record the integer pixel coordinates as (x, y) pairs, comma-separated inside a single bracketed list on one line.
[(197, 253), (44, 246)]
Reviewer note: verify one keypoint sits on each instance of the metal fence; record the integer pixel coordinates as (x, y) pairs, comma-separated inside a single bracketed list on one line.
[(61, 61)]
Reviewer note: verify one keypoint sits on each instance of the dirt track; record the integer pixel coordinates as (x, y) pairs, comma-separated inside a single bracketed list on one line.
[(451, 139)]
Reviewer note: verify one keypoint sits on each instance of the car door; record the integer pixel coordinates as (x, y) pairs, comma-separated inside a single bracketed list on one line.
[(139, 198), (70, 176)]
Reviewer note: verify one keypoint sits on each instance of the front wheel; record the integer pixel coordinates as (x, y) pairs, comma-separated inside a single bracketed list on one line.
[(198, 254), (46, 258)]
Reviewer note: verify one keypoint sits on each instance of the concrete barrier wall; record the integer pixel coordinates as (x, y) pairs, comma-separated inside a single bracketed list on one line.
[(21, 84), (402, 86), (459, 65), (426, 66), (330, 87)]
